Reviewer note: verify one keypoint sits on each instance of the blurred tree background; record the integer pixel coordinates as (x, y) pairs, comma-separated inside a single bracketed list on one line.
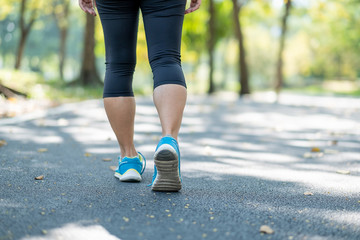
[(51, 49)]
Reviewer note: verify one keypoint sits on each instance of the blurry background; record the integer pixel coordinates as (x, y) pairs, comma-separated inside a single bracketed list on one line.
[(242, 46)]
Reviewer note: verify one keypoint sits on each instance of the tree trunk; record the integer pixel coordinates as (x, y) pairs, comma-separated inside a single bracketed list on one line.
[(62, 51), (211, 45), (279, 66), (10, 93), (20, 50), (62, 22), (24, 32), (89, 75), (244, 76)]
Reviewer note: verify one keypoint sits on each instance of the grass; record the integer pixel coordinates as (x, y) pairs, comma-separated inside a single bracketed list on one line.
[(328, 88), (37, 87)]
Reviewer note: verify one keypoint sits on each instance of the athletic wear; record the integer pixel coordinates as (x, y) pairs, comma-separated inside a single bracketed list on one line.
[(131, 169), (163, 20), (167, 166)]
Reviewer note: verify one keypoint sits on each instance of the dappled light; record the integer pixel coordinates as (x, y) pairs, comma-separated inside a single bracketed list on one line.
[(75, 231), (269, 140), (244, 162)]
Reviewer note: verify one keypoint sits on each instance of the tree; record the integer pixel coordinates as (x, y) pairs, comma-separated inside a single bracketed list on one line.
[(88, 74), (244, 75), (61, 15), (211, 45), (29, 13), (24, 30), (279, 66), (10, 93)]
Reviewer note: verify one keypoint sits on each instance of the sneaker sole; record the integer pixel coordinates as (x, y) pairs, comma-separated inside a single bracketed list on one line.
[(167, 165), (130, 175)]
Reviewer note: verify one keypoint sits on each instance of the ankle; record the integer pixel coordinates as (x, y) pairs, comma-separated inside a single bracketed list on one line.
[(128, 152), (170, 134)]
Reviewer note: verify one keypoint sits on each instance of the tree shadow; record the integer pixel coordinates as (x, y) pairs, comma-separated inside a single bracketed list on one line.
[(243, 166)]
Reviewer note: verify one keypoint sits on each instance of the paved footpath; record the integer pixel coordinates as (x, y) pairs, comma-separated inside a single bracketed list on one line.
[(245, 163)]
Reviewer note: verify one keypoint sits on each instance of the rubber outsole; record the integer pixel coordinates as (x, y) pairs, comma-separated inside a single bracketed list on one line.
[(167, 166), (130, 176)]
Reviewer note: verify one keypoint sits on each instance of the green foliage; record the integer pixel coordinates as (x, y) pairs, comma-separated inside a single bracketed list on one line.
[(322, 44)]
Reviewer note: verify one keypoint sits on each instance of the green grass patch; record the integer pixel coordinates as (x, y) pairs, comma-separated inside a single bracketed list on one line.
[(36, 87), (320, 90)]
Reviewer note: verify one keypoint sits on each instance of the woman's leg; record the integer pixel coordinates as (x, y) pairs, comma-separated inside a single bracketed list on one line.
[(163, 22), (121, 113), (120, 22), (170, 100)]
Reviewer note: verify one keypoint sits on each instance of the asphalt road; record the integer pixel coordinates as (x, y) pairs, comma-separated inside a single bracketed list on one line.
[(245, 163)]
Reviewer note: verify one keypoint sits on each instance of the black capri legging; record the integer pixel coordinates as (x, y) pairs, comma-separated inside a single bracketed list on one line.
[(163, 20)]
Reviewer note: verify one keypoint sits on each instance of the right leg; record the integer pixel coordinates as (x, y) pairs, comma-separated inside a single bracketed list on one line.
[(163, 22), (120, 22)]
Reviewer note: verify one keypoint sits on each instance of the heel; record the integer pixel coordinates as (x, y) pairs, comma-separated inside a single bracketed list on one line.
[(167, 179)]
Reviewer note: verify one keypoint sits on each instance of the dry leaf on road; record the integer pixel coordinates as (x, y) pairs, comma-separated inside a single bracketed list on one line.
[(315, 149), (266, 229), (308, 194), (107, 159), (87, 154), (3, 143), (41, 177), (41, 150), (113, 168)]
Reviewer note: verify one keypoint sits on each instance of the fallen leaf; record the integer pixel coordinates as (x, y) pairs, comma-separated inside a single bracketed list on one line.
[(44, 232), (343, 172), (87, 154), (41, 177), (107, 159), (3, 143), (126, 219), (41, 150), (113, 168), (308, 194), (315, 149), (333, 142), (266, 229)]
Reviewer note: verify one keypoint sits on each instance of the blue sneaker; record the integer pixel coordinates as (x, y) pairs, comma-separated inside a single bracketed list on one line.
[(166, 176), (131, 169)]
